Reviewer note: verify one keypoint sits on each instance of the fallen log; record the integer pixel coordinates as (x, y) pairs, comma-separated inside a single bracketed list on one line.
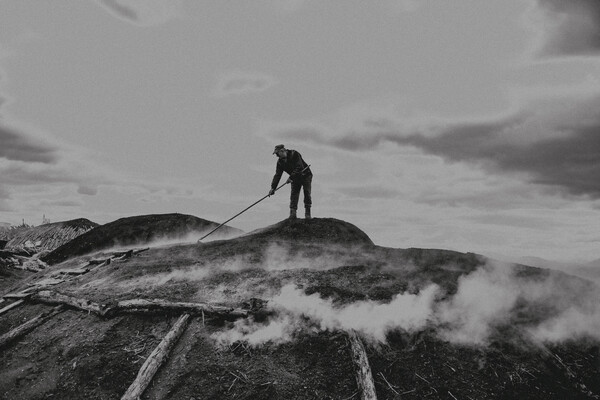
[(28, 326), (138, 306), (156, 359), (50, 297), (158, 305), (11, 306), (364, 377)]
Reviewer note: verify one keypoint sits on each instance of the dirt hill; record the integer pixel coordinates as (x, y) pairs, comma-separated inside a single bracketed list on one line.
[(272, 315), (136, 231), (49, 236)]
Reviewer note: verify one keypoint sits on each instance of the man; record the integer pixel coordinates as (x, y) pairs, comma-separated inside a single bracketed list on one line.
[(291, 162)]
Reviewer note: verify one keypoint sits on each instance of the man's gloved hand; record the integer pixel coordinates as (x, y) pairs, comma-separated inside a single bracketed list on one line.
[(289, 180), (271, 192)]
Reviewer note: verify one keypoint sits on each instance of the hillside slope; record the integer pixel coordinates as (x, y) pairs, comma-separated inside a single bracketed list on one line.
[(135, 231), (49, 236), (435, 324)]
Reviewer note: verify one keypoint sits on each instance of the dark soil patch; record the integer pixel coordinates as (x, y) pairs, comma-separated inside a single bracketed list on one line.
[(312, 367)]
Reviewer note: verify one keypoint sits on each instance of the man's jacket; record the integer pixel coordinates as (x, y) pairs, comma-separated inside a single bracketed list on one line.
[(294, 165)]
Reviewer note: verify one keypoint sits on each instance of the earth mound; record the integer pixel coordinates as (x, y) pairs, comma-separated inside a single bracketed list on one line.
[(316, 230), (48, 237), (134, 231)]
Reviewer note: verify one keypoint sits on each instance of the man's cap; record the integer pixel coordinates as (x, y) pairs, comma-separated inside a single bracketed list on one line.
[(278, 147)]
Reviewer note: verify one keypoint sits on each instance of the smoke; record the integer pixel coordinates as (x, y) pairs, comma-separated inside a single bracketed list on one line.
[(573, 323), (278, 257), (277, 330), (483, 299), (549, 307), (297, 312)]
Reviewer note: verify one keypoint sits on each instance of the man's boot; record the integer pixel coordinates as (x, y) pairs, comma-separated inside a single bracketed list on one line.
[(307, 213), (292, 213)]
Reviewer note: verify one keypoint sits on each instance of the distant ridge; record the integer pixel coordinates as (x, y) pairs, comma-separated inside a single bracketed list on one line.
[(136, 230), (49, 236)]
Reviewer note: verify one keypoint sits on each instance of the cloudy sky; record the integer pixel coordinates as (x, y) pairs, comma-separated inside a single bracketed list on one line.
[(466, 125)]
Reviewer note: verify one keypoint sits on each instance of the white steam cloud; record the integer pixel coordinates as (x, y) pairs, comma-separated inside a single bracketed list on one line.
[(484, 298), (574, 323), (299, 312)]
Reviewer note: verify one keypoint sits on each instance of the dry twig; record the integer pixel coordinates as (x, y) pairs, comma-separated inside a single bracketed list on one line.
[(389, 384), (420, 377)]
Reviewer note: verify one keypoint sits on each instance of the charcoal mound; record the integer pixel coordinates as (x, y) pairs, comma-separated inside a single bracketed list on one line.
[(315, 230), (48, 237), (135, 231)]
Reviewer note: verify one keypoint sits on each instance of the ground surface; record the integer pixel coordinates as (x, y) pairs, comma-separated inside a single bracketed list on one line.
[(331, 263)]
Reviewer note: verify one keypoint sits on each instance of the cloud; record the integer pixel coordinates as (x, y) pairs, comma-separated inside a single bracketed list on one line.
[(406, 5), (568, 28), (512, 220), (144, 12), (369, 191), (286, 6), (61, 203), (19, 146), (36, 167), (550, 141), (239, 82)]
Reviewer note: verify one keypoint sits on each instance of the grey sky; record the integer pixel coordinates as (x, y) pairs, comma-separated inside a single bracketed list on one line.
[(468, 125)]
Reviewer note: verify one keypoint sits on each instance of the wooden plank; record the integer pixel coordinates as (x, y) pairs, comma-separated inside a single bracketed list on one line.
[(11, 306), (28, 326), (156, 360), (364, 377)]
